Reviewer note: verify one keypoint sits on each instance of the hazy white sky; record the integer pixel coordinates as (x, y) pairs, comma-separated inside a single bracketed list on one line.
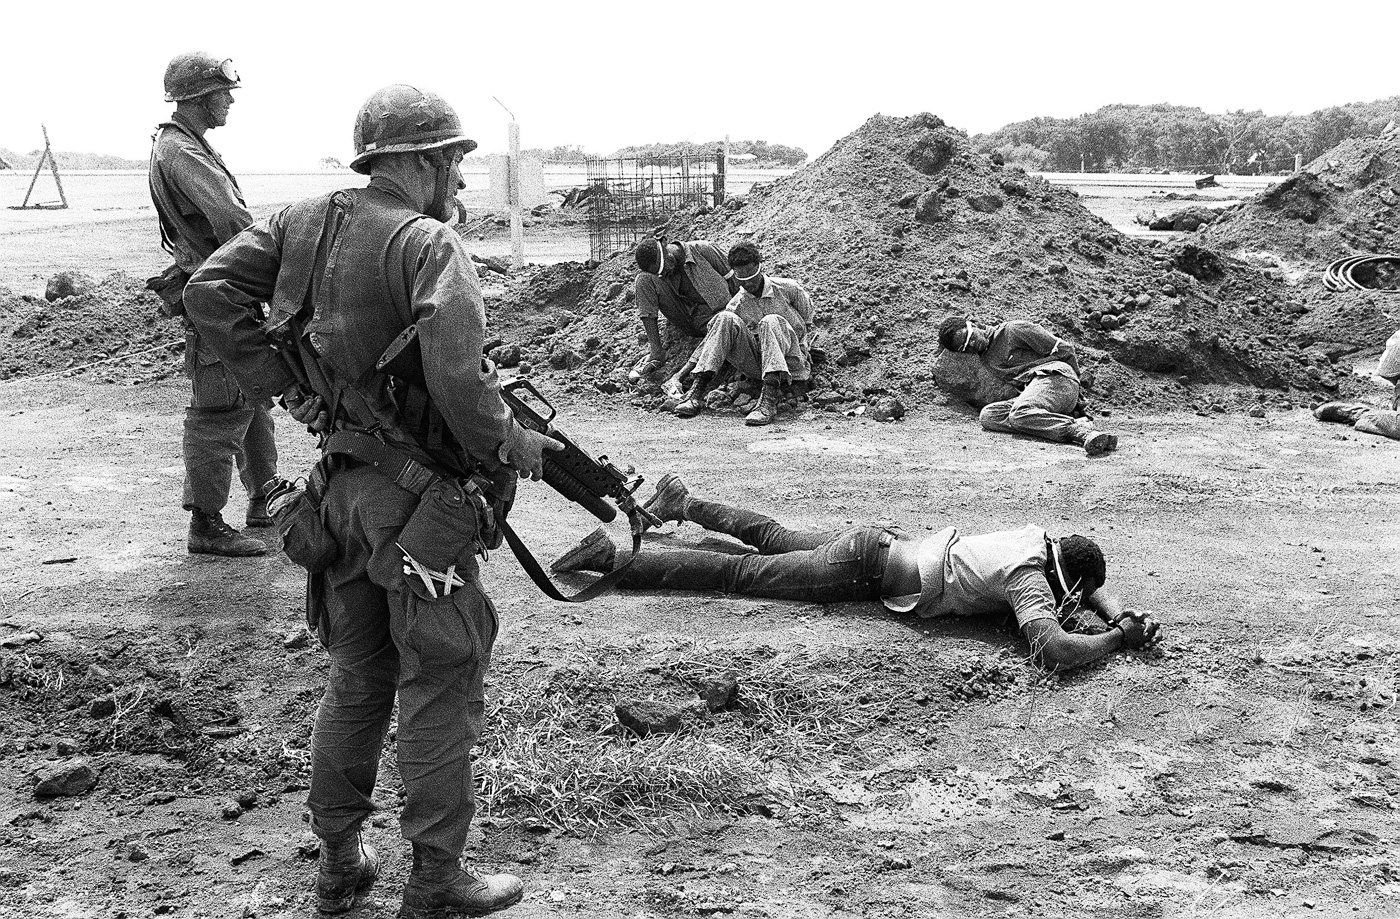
[(606, 74)]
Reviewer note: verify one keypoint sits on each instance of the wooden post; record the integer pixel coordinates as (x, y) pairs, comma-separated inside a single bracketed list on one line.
[(517, 230), (1297, 162), (721, 170), (46, 156), (53, 165)]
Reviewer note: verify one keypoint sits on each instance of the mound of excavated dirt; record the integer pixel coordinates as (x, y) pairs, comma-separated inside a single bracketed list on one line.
[(899, 225), (116, 318), (1342, 203)]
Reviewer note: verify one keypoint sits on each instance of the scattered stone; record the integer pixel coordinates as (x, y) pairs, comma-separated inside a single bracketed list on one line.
[(247, 798), (65, 780), (984, 204), (102, 707), (505, 356), (296, 639), (1257, 412), (1013, 188), (135, 852), (564, 358), (99, 674), (720, 692), (308, 847), (20, 639), (247, 856), (929, 208), (887, 408), (646, 717), (67, 746), (68, 284), (230, 810)]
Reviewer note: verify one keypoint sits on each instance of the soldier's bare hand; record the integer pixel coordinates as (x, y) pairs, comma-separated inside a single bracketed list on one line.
[(309, 411), (526, 454), (1139, 628)]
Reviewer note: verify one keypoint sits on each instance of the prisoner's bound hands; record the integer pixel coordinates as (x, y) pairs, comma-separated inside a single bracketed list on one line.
[(1139, 628), (309, 411), (526, 453)]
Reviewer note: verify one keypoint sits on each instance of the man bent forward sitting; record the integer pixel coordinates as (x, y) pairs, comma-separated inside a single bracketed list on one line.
[(763, 332), (1025, 572)]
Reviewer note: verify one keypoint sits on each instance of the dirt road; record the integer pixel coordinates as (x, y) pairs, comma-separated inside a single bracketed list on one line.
[(1247, 768)]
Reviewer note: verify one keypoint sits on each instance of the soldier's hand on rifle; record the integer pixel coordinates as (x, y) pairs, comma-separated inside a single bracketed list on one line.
[(1138, 627), (309, 411), (526, 452)]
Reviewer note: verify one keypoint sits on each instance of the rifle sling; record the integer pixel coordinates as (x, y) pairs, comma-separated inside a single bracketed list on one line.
[(537, 574)]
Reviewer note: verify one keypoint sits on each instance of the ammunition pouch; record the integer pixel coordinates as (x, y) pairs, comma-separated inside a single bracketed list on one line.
[(300, 520), (169, 285), (445, 524)]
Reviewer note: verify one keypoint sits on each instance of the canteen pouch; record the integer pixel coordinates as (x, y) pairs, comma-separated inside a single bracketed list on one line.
[(169, 285), (305, 537), (443, 528)]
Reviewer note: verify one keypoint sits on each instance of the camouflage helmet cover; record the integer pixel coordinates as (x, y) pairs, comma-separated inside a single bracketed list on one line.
[(400, 118), (195, 74)]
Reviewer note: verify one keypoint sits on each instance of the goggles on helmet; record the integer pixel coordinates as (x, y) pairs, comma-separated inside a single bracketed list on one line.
[(225, 70)]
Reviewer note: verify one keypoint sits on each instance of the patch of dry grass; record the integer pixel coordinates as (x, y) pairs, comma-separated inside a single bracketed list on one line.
[(533, 765)]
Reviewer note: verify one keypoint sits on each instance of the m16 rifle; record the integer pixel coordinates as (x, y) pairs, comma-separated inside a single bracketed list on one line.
[(592, 483)]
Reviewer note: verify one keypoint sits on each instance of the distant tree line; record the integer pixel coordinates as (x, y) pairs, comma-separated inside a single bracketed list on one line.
[(765, 154), (1154, 138), (22, 161)]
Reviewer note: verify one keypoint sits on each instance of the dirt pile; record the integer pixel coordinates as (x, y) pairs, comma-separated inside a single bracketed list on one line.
[(899, 225), (1342, 203), (116, 318)]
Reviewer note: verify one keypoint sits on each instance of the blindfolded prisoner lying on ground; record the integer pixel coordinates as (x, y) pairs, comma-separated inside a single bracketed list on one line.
[(1364, 418), (1025, 572)]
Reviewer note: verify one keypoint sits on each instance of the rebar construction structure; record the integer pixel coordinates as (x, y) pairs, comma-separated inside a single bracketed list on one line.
[(628, 197)]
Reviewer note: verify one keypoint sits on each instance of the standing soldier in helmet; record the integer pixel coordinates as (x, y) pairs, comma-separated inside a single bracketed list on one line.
[(200, 208), (376, 309)]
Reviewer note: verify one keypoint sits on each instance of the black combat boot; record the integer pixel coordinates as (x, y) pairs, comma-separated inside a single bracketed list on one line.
[(257, 515), (209, 535), (348, 870), (694, 400), (595, 552), (767, 409), (440, 889), (670, 499)]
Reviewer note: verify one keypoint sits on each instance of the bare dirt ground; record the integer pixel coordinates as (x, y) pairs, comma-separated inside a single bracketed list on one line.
[(1247, 768)]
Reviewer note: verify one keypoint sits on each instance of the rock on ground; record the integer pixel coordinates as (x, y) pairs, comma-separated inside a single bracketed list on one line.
[(65, 780)]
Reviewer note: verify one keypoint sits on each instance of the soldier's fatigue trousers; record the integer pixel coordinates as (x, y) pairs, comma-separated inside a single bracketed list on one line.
[(772, 347), (1043, 409), (222, 428), (819, 567), (385, 637)]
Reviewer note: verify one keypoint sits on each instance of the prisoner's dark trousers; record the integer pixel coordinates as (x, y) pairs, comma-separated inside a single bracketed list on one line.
[(818, 567)]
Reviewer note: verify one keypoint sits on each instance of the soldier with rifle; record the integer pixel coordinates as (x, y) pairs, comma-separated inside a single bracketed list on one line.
[(375, 339)]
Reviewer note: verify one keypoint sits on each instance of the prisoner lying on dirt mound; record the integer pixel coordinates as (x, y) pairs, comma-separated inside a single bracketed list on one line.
[(1025, 572), (1045, 369)]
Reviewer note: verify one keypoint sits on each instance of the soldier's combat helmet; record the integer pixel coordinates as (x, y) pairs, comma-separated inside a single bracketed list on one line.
[(195, 73), (400, 118)]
